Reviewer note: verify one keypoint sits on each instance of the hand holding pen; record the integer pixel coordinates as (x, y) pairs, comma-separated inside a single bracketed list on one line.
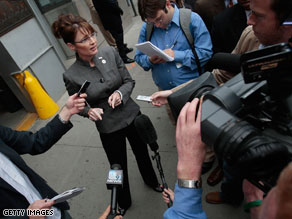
[(169, 51)]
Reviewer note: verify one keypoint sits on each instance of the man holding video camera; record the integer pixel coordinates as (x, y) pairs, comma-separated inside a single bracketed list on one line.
[(266, 18), (188, 192)]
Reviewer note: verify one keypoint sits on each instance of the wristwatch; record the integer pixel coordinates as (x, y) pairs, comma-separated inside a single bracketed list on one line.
[(192, 184)]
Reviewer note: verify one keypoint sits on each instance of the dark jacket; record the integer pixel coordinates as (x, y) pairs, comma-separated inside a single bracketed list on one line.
[(227, 28), (13, 144), (207, 9), (108, 75)]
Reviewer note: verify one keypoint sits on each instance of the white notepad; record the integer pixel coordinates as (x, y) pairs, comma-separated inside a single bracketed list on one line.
[(151, 50)]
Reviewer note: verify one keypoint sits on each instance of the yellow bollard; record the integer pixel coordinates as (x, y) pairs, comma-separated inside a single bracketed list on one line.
[(43, 103)]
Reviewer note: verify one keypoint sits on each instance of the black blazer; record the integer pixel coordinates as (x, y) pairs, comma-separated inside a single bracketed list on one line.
[(13, 144), (227, 28)]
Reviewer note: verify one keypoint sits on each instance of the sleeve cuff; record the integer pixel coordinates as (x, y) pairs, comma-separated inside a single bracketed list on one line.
[(120, 94), (179, 55), (148, 62)]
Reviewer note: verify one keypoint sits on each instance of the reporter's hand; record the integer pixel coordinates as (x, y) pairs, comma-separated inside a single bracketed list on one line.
[(169, 52), (106, 213), (156, 60), (160, 98), (191, 150), (95, 114), (73, 105), (40, 204), (165, 194), (251, 192), (114, 99)]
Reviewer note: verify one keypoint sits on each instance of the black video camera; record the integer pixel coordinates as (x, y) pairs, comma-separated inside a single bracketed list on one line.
[(248, 120)]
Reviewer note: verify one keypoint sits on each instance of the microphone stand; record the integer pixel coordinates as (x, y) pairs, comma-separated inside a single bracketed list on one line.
[(156, 157)]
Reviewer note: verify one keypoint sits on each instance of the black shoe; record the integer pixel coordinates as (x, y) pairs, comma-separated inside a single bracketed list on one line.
[(207, 166), (127, 60), (157, 188), (128, 50)]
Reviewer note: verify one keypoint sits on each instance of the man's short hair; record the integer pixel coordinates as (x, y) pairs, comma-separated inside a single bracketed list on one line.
[(149, 8), (282, 9)]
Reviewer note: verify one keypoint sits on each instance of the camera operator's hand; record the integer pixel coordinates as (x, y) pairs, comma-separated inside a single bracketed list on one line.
[(106, 213), (160, 98), (191, 150)]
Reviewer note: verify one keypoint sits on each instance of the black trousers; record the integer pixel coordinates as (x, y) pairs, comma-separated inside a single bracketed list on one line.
[(114, 145)]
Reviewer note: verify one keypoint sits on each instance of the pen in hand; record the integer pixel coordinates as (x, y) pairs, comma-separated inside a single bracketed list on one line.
[(173, 45)]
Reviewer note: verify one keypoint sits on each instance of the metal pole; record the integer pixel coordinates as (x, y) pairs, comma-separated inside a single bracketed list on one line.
[(133, 6)]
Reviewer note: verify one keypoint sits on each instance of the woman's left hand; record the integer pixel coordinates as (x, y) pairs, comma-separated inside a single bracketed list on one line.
[(114, 99)]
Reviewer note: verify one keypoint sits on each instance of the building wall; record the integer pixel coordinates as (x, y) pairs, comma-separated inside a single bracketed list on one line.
[(32, 46)]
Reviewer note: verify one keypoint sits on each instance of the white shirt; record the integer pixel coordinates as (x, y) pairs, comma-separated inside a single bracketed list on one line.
[(15, 177)]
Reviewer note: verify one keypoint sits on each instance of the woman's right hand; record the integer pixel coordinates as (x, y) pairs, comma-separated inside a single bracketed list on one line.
[(165, 194), (95, 114)]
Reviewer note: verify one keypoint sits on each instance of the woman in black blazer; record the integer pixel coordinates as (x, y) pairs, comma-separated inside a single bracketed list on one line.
[(108, 97)]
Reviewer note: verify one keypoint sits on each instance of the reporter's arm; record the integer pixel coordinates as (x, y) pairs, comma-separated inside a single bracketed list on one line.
[(160, 98), (252, 194), (27, 142), (191, 152), (106, 213)]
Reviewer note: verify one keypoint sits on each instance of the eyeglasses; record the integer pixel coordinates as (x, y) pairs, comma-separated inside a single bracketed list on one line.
[(87, 39), (158, 20)]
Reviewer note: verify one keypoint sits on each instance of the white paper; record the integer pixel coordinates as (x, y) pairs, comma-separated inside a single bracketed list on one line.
[(144, 98), (67, 195), (151, 50)]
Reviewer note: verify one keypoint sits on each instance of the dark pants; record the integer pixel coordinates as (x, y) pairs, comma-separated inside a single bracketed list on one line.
[(118, 35), (114, 145)]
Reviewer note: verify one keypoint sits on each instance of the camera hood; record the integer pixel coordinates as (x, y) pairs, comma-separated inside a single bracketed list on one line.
[(196, 88)]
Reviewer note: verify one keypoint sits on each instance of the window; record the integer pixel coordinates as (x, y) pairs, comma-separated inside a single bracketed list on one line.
[(12, 14), (47, 5)]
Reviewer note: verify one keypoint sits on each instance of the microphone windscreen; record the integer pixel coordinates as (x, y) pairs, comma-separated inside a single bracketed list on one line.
[(226, 61), (145, 129), (116, 167)]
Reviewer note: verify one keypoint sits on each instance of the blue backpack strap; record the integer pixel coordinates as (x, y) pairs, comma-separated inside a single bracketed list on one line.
[(185, 24)]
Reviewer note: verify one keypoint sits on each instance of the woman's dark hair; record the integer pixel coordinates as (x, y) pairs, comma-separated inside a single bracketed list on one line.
[(68, 25), (149, 8)]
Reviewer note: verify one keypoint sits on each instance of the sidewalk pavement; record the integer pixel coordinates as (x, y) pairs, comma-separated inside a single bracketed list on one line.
[(78, 159)]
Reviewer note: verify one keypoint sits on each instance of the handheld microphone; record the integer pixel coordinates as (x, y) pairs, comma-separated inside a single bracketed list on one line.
[(113, 182), (226, 61), (147, 133)]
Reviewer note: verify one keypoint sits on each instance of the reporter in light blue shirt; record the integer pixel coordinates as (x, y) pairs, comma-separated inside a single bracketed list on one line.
[(187, 204), (191, 152), (168, 36)]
